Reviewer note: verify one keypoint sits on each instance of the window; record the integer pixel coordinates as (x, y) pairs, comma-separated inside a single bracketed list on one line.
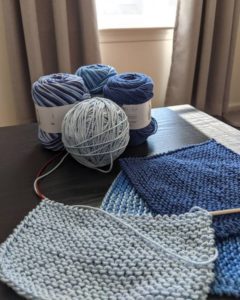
[(135, 13)]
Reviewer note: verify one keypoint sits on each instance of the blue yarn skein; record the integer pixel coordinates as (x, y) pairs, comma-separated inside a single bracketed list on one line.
[(57, 90), (132, 89), (96, 76)]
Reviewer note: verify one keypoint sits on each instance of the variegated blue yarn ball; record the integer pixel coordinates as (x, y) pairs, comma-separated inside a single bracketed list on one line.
[(95, 76), (57, 90)]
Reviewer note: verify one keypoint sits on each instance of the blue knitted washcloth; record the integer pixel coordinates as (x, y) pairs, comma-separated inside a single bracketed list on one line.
[(205, 175), (122, 198), (63, 252)]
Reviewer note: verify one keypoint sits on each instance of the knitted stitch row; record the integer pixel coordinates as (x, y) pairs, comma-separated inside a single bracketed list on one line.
[(62, 252), (205, 175), (122, 199)]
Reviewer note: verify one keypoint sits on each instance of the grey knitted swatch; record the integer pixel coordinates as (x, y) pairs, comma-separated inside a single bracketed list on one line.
[(63, 252)]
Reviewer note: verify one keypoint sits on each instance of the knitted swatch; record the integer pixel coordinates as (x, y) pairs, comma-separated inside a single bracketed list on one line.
[(122, 198), (205, 175), (62, 252)]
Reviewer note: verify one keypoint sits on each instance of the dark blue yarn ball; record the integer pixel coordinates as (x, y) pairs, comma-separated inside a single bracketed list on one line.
[(57, 90), (132, 89), (96, 76)]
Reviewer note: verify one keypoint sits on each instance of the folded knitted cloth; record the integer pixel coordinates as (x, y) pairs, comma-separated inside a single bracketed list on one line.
[(62, 252), (205, 175), (123, 199)]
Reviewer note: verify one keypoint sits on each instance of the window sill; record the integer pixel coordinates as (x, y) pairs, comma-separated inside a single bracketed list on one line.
[(120, 35), (137, 28)]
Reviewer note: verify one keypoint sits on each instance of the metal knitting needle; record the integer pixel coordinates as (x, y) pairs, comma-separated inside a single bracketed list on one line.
[(225, 211)]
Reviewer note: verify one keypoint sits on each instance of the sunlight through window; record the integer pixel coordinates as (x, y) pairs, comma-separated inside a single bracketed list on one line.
[(135, 13)]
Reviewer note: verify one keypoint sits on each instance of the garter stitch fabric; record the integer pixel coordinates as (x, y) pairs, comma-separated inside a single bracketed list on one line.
[(62, 252), (123, 199), (205, 175)]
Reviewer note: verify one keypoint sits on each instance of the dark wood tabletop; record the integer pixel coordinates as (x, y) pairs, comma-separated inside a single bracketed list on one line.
[(22, 156)]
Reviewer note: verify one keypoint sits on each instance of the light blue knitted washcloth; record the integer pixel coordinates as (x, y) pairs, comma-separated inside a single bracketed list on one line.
[(122, 198), (63, 252)]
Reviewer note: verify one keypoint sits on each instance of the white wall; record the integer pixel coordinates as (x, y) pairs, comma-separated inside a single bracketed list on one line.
[(140, 50)]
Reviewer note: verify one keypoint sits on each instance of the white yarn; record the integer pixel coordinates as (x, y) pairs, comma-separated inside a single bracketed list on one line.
[(95, 132)]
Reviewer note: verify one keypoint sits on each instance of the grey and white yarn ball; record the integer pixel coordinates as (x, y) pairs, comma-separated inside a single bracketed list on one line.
[(95, 132)]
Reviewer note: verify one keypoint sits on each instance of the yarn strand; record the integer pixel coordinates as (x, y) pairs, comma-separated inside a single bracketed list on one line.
[(155, 244), (39, 176)]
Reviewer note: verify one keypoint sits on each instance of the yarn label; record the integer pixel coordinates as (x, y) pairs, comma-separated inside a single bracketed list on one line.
[(139, 115), (50, 118)]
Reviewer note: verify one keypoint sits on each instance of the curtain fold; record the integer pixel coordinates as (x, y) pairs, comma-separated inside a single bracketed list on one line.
[(60, 35), (203, 50), (22, 110), (46, 37)]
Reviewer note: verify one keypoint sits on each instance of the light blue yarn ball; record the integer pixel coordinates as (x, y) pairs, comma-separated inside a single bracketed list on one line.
[(96, 76), (95, 132), (57, 90), (132, 89)]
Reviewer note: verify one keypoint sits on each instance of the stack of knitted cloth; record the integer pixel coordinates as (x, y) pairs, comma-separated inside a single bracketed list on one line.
[(63, 252), (205, 175)]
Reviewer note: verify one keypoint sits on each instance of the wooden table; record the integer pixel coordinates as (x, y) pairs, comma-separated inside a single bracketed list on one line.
[(22, 156)]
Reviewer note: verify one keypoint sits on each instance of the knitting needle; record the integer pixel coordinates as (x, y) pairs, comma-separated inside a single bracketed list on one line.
[(225, 212)]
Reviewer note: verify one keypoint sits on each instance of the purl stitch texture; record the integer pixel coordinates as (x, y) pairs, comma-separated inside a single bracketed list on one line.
[(205, 175), (122, 198), (62, 252)]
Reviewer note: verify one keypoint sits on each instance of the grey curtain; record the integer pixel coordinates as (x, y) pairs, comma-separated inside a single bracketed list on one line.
[(203, 50), (47, 36)]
